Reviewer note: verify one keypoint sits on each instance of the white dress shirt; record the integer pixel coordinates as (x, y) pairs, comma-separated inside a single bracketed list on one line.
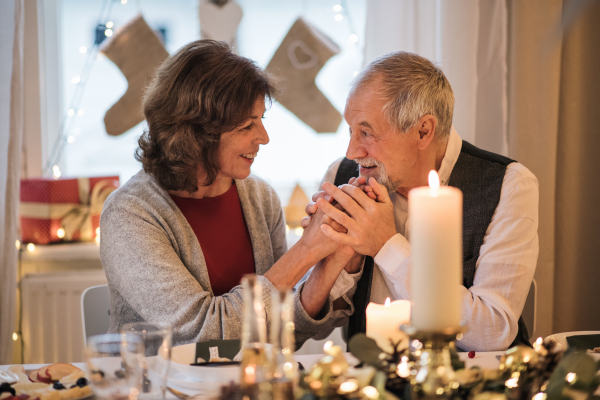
[(507, 259)]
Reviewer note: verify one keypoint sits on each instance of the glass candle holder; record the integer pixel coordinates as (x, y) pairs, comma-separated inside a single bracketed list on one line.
[(255, 366)]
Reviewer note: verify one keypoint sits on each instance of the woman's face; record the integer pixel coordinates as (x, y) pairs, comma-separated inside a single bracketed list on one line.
[(238, 147)]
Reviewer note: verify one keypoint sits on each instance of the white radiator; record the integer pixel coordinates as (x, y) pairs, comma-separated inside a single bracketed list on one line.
[(52, 330)]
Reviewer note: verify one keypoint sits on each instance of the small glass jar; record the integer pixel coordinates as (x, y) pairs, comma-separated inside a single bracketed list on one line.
[(285, 369), (256, 366)]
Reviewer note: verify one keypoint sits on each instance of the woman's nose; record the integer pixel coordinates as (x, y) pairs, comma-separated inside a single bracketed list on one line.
[(263, 136)]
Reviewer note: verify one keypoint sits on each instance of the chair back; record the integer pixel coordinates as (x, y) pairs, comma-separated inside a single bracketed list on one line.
[(529, 310), (95, 311)]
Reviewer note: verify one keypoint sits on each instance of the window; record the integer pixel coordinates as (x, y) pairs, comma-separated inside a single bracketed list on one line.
[(295, 154)]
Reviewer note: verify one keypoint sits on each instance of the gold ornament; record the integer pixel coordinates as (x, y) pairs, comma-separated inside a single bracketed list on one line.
[(517, 359), (490, 396), (333, 364), (325, 373)]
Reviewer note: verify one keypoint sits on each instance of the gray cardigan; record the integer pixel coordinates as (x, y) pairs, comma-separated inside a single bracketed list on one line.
[(157, 273)]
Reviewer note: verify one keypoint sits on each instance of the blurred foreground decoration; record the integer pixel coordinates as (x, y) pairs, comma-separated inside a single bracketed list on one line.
[(137, 51), (298, 60), (544, 372), (333, 379), (219, 20), (295, 210)]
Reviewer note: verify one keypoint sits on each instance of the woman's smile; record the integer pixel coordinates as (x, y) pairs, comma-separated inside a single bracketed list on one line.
[(249, 156)]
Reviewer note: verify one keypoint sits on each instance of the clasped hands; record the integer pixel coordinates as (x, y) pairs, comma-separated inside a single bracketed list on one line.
[(356, 218)]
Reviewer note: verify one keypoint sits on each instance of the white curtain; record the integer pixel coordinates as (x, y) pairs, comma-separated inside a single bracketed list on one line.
[(534, 102), (576, 295), (11, 127), (468, 40)]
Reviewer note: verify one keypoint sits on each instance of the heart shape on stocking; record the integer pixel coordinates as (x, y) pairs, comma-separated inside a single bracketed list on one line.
[(220, 23), (308, 58)]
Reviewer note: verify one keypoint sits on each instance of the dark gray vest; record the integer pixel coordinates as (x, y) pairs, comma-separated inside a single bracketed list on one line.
[(479, 175)]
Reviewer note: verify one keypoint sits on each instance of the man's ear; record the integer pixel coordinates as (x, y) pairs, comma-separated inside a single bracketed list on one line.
[(426, 130)]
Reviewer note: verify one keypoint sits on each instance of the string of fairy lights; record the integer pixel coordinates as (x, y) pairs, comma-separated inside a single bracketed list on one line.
[(63, 137), (65, 133), (105, 25), (342, 11), (74, 110)]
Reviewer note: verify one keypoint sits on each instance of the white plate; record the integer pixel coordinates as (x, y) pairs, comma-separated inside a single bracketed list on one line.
[(561, 338), (192, 377), (28, 371)]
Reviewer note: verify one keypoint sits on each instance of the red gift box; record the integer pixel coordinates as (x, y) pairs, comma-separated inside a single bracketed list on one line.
[(71, 204)]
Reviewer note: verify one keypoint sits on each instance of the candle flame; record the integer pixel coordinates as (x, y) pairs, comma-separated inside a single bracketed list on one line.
[(434, 180), (387, 302)]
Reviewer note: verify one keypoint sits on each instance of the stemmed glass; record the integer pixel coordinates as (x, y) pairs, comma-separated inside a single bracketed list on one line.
[(153, 362), (110, 378)]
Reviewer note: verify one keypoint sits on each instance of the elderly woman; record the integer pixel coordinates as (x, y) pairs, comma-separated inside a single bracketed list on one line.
[(177, 237)]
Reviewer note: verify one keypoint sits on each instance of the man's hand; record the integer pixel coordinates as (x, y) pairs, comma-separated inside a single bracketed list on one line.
[(345, 254), (370, 223), (311, 207)]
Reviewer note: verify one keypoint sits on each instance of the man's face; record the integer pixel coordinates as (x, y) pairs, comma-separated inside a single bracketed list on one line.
[(382, 152)]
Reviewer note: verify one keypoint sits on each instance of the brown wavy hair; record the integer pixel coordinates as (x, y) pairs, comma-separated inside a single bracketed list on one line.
[(198, 93)]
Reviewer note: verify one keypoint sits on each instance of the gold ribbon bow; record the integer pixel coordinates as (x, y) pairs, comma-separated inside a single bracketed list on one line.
[(79, 218)]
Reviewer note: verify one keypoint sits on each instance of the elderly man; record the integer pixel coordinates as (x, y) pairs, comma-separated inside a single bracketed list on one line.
[(400, 116)]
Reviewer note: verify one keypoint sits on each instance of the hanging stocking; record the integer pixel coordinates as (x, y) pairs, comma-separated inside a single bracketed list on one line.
[(219, 20), (137, 51), (299, 58)]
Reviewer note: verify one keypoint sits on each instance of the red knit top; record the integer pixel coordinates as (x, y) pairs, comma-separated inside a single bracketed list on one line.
[(220, 227)]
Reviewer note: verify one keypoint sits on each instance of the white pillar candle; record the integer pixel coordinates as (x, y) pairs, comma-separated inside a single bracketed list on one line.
[(435, 215), (384, 320)]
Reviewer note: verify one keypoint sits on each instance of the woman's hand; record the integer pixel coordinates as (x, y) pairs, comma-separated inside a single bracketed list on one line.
[(312, 248), (314, 240), (323, 277), (345, 255), (341, 253)]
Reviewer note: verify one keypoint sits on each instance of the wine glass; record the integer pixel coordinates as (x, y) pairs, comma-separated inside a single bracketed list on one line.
[(154, 362), (110, 379)]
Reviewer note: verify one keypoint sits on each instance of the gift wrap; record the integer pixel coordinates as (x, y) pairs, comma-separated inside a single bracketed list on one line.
[(71, 204)]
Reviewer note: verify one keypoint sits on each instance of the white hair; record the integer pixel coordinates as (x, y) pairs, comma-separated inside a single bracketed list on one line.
[(412, 87)]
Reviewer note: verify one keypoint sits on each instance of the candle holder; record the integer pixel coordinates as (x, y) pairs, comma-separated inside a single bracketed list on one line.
[(433, 376)]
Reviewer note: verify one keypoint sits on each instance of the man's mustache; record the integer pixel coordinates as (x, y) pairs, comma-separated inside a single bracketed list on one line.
[(368, 162)]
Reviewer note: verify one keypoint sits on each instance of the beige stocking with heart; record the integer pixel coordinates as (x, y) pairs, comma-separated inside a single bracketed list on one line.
[(219, 20), (137, 51), (298, 60)]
